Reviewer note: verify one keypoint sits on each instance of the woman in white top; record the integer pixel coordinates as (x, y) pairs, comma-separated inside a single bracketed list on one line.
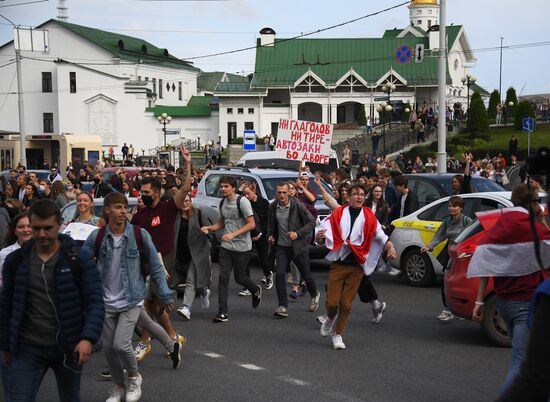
[(19, 231)]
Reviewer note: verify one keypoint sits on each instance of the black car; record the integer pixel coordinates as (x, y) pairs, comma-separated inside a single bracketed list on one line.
[(430, 187)]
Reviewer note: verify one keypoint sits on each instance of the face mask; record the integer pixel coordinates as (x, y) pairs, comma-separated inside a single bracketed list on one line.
[(96, 180), (42, 187), (147, 200)]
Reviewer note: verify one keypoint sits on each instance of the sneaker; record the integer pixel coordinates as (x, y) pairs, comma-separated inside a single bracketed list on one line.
[(117, 394), (263, 281), (326, 328), (105, 373), (142, 350), (322, 318), (220, 317), (337, 342), (269, 281), (377, 314), (184, 312), (245, 292), (133, 392), (445, 316), (314, 303), (281, 312), (175, 355), (293, 294), (205, 300), (394, 272), (257, 297)]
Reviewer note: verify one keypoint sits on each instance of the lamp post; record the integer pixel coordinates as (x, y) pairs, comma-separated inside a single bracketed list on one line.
[(468, 80), (388, 88), (198, 141), (164, 119), (510, 105), (380, 109)]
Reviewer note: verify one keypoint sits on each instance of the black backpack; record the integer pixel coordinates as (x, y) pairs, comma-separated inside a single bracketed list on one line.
[(258, 228)]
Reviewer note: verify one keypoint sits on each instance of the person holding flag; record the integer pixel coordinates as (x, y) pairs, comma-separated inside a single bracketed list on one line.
[(355, 241), (509, 254)]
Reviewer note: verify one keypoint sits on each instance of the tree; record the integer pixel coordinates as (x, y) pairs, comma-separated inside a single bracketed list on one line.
[(524, 109), (362, 118), (494, 100), (478, 120), (509, 111)]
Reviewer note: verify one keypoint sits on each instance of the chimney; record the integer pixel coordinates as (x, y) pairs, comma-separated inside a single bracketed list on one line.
[(433, 37), (267, 37)]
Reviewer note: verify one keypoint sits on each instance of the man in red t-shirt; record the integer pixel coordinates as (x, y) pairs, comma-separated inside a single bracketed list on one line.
[(158, 217)]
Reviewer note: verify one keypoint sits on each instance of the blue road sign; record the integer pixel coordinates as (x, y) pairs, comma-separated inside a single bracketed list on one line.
[(528, 124), (403, 54), (249, 142)]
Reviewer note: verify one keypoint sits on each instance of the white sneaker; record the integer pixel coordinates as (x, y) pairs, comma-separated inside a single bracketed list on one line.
[(445, 316), (184, 312), (142, 350), (245, 292), (337, 342), (133, 393), (205, 300), (394, 272), (326, 328), (322, 318), (116, 394)]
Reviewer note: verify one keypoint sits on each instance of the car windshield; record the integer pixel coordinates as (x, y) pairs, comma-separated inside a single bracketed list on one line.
[(481, 186), (270, 184), (471, 230)]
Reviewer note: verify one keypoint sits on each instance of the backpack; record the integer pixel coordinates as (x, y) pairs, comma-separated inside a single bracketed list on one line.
[(257, 228), (464, 220), (144, 262)]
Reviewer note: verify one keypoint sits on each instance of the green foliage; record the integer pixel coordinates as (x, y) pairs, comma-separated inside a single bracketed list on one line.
[(421, 151), (484, 136), (479, 141), (362, 118), (478, 120), (511, 97), (493, 102), (461, 149), (461, 140), (523, 110)]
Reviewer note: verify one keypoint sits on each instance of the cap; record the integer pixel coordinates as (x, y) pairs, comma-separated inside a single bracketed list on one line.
[(304, 174)]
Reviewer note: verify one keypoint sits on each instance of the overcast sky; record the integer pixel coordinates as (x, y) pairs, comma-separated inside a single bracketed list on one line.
[(194, 28)]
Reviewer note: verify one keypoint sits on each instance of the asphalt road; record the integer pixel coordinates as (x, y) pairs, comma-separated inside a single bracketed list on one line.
[(408, 356)]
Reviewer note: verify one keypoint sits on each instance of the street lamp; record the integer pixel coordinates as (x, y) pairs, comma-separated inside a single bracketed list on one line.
[(508, 110), (389, 88), (198, 141), (468, 80), (164, 119)]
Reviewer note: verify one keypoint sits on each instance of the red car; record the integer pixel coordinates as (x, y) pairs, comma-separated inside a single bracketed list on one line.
[(461, 292)]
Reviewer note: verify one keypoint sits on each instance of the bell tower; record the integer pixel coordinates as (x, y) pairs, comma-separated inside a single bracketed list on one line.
[(424, 13)]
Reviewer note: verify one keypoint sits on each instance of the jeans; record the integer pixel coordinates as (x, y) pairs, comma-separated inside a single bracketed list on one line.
[(283, 256), (238, 261), (23, 377), (118, 329), (515, 315)]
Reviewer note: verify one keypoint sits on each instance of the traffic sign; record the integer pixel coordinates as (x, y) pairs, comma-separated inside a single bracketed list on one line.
[(249, 142), (172, 132), (382, 98), (419, 53), (528, 124), (403, 54)]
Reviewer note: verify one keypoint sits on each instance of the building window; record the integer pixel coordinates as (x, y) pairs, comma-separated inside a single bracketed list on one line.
[(240, 110), (429, 23), (456, 64), (160, 88), (180, 91), (72, 82), (430, 11), (155, 86), (47, 118), (248, 125), (419, 22), (250, 110), (146, 79), (46, 82), (229, 110), (139, 77), (419, 11)]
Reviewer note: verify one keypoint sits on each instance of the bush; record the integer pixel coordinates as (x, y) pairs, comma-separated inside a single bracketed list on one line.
[(461, 140), (362, 118), (479, 141), (484, 136), (478, 120), (510, 97), (493, 102), (523, 110), (420, 150)]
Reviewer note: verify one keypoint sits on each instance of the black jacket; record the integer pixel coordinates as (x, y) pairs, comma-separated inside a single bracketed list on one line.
[(411, 205), (300, 221)]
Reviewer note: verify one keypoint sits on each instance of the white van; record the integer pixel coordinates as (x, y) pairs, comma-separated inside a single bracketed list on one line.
[(272, 159)]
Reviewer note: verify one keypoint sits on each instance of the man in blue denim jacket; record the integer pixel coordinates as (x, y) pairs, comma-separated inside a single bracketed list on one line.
[(119, 264)]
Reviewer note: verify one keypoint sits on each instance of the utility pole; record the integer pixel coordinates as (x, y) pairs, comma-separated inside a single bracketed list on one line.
[(442, 92), (22, 148), (500, 74)]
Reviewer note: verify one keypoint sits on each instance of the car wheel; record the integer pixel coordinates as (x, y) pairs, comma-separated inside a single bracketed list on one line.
[(493, 325), (418, 269)]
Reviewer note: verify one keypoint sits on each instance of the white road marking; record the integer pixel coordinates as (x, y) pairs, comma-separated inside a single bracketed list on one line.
[(212, 355), (251, 367), (295, 381)]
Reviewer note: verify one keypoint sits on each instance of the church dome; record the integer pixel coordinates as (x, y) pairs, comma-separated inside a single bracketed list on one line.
[(424, 3)]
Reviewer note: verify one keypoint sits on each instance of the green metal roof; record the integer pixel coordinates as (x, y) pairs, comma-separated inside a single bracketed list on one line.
[(207, 81), (284, 63), (476, 88), (198, 106), (126, 47), (236, 87)]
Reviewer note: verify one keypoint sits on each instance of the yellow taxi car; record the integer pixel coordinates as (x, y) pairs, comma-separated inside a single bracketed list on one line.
[(414, 231)]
